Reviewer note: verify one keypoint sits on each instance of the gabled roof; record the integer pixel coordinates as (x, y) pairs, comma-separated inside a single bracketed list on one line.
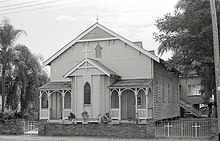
[(96, 64), (131, 83), (77, 39), (56, 85)]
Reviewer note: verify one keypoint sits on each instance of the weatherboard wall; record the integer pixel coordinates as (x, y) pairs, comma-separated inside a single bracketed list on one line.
[(116, 55), (166, 93), (99, 95)]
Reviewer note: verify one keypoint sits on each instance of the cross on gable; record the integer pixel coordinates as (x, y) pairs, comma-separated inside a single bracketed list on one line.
[(86, 52)]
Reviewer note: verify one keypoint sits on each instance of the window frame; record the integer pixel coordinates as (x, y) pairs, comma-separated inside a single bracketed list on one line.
[(190, 91), (87, 96), (98, 51)]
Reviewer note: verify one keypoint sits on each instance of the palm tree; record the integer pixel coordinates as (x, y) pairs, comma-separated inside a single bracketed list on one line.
[(8, 36)]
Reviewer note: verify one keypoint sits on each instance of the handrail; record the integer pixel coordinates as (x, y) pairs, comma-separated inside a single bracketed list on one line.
[(190, 108)]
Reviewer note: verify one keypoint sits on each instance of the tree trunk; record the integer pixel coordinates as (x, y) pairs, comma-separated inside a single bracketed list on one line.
[(23, 98), (3, 82)]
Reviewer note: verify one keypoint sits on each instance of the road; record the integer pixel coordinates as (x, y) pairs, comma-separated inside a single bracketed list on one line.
[(64, 138)]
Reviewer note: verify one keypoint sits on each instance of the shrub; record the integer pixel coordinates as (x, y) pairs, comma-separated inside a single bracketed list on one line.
[(104, 118), (71, 116), (85, 116)]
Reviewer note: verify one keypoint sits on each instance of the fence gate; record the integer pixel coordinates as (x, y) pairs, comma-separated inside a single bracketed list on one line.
[(31, 127), (183, 128)]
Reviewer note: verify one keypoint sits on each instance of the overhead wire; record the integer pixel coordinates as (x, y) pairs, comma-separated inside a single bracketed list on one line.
[(31, 5), (11, 5), (47, 7)]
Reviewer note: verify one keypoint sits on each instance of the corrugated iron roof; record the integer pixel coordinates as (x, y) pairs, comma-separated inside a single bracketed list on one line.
[(57, 85), (131, 83), (97, 64), (103, 67)]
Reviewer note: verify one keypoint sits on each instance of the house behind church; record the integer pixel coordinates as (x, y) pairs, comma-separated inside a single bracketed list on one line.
[(100, 71)]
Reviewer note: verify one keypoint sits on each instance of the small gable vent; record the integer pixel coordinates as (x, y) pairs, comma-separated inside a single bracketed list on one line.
[(139, 44)]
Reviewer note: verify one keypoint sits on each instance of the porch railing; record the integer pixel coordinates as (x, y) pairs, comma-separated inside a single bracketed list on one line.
[(66, 113), (115, 113), (141, 113), (44, 114)]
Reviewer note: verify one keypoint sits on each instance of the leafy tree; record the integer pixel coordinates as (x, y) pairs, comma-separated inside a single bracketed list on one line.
[(8, 36), (28, 71), (21, 71), (188, 33)]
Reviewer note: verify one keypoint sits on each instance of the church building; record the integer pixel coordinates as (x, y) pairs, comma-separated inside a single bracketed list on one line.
[(100, 71)]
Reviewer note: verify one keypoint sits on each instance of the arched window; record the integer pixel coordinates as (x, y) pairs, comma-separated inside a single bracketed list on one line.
[(141, 99), (67, 101), (87, 93), (98, 51), (44, 101), (114, 100), (163, 93)]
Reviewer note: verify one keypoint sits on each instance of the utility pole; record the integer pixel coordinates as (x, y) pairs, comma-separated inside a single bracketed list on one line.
[(216, 58)]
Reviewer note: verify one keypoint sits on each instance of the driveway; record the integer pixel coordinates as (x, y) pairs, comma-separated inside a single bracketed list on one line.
[(64, 138)]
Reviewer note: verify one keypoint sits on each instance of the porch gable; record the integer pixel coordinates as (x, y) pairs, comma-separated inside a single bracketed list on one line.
[(92, 65)]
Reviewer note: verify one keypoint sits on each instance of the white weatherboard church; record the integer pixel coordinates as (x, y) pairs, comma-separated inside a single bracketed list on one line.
[(100, 71)]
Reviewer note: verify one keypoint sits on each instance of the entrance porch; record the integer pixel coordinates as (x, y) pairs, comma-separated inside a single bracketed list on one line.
[(55, 100), (131, 99)]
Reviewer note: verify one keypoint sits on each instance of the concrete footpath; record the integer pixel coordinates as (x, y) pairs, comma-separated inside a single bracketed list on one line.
[(67, 138)]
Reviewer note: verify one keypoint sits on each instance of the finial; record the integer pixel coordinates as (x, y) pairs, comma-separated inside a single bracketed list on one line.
[(97, 17)]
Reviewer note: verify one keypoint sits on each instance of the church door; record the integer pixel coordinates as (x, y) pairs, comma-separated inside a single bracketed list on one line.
[(128, 105), (56, 105)]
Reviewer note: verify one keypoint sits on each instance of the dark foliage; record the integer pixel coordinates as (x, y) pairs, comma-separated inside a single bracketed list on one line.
[(188, 33)]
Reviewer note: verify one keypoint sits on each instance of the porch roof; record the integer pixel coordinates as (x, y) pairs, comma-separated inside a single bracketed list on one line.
[(56, 85), (131, 83), (96, 64)]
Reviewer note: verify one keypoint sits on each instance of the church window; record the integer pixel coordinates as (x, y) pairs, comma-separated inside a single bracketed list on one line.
[(173, 94), (168, 92), (163, 93), (98, 51), (87, 93)]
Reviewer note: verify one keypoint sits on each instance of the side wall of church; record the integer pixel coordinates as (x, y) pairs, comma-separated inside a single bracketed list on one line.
[(116, 55), (166, 93), (99, 95)]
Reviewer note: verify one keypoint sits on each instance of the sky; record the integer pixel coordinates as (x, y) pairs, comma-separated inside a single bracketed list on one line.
[(49, 29)]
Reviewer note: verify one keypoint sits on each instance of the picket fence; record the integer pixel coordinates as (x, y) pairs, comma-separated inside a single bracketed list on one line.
[(183, 128)]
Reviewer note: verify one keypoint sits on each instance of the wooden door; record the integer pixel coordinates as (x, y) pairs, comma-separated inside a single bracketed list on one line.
[(56, 105), (130, 105), (127, 105), (123, 106)]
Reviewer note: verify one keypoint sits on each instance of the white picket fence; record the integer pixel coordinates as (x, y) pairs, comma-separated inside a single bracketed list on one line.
[(183, 128)]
